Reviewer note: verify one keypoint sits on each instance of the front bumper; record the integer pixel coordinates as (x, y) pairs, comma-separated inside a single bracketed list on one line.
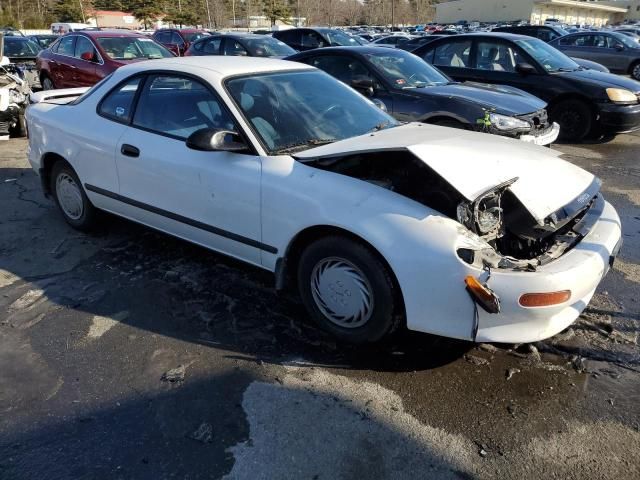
[(619, 118), (546, 137), (580, 270)]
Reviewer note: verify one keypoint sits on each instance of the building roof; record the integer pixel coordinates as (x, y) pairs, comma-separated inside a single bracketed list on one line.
[(583, 5)]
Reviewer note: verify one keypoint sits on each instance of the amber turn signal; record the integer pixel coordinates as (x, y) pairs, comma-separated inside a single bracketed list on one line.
[(483, 295), (544, 299)]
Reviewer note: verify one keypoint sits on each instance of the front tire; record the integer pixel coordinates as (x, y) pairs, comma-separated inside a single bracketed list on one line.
[(635, 71), (574, 117), (47, 83), (348, 290), (71, 198)]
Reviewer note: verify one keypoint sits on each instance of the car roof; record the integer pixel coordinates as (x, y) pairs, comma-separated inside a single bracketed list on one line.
[(240, 35), (357, 49), (217, 66), (105, 33), (505, 35)]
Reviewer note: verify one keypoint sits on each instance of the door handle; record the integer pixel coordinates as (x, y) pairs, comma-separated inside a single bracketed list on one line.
[(129, 150)]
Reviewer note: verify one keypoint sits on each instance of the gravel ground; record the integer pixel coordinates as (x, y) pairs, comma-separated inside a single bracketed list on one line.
[(127, 354)]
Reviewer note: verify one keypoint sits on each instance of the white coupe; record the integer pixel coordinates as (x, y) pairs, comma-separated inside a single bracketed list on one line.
[(379, 224)]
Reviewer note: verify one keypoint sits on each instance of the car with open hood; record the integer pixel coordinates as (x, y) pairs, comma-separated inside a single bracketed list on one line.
[(584, 102), (378, 224), (412, 90), (22, 53)]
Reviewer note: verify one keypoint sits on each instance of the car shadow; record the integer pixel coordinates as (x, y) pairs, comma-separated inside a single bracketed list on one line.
[(170, 287)]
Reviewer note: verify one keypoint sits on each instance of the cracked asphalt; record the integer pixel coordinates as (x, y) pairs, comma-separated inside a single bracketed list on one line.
[(127, 354)]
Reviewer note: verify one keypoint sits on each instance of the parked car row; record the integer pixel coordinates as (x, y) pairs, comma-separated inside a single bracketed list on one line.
[(377, 224)]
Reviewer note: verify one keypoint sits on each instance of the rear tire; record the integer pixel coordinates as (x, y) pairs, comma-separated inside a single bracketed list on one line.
[(348, 290), (71, 198), (574, 117)]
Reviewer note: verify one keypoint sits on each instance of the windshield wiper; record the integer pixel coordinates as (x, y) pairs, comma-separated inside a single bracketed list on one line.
[(313, 142)]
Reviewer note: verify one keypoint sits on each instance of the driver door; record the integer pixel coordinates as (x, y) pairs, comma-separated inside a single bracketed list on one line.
[(210, 198)]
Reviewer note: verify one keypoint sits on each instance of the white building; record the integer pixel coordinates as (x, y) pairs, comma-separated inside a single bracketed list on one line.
[(589, 12)]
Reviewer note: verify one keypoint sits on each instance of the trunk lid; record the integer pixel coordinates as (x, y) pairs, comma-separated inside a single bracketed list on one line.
[(476, 162)]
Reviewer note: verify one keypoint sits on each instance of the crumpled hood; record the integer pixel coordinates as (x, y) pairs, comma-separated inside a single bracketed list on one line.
[(475, 162), (505, 100)]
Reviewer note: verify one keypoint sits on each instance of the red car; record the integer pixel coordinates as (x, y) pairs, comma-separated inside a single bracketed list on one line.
[(81, 59), (178, 40)]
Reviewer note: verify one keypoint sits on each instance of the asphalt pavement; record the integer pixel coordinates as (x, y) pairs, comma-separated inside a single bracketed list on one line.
[(128, 354)]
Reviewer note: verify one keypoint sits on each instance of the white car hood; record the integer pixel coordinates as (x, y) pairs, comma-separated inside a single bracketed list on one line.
[(476, 162)]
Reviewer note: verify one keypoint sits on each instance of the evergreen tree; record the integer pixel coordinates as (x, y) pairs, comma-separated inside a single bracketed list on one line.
[(276, 10)]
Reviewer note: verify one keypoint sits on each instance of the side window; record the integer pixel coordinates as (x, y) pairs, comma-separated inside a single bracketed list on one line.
[(568, 41), (496, 57), (233, 48), (428, 55), (290, 38), (546, 35), (453, 54), (211, 47), (336, 66), (163, 37), (67, 46), (84, 45), (178, 106), (117, 104), (54, 46), (176, 39), (311, 39)]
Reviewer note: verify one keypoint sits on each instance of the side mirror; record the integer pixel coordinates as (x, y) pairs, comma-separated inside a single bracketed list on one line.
[(212, 140), (363, 84), (526, 69), (380, 104), (619, 47), (87, 56)]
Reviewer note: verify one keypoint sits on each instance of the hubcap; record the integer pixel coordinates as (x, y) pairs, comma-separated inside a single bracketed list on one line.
[(342, 292), (47, 84), (636, 72), (69, 196)]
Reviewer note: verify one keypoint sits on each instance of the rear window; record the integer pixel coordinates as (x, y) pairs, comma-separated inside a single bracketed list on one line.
[(20, 47)]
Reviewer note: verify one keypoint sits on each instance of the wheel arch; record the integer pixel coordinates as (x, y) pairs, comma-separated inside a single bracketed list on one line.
[(47, 162), (287, 265), (633, 65)]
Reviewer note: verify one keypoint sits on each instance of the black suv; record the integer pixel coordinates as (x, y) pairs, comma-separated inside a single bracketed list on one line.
[(309, 38)]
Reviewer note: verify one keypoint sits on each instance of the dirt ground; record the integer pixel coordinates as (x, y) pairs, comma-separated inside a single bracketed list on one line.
[(127, 354)]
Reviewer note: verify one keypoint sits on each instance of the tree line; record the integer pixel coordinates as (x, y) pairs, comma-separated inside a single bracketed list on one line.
[(220, 13)]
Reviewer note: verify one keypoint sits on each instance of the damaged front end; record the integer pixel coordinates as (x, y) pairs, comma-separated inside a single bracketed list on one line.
[(14, 98), (499, 231), (514, 239)]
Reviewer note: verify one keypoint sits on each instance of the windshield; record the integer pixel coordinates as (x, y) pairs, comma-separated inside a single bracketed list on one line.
[(404, 70), (44, 42), (193, 36), (552, 60), (131, 48), (626, 40), (268, 47), (289, 115), (20, 47), (336, 37)]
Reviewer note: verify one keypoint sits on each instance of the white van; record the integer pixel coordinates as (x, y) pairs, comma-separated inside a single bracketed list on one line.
[(62, 28)]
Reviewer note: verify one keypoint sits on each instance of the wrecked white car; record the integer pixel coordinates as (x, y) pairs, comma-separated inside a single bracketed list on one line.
[(14, 97), (378, 224)]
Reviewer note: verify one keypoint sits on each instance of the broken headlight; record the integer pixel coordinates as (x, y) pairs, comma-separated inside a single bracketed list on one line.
[(484, 215), (16, 97), (506, 123)]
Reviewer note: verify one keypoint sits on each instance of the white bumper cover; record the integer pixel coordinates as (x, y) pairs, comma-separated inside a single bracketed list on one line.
[(580, 270)]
